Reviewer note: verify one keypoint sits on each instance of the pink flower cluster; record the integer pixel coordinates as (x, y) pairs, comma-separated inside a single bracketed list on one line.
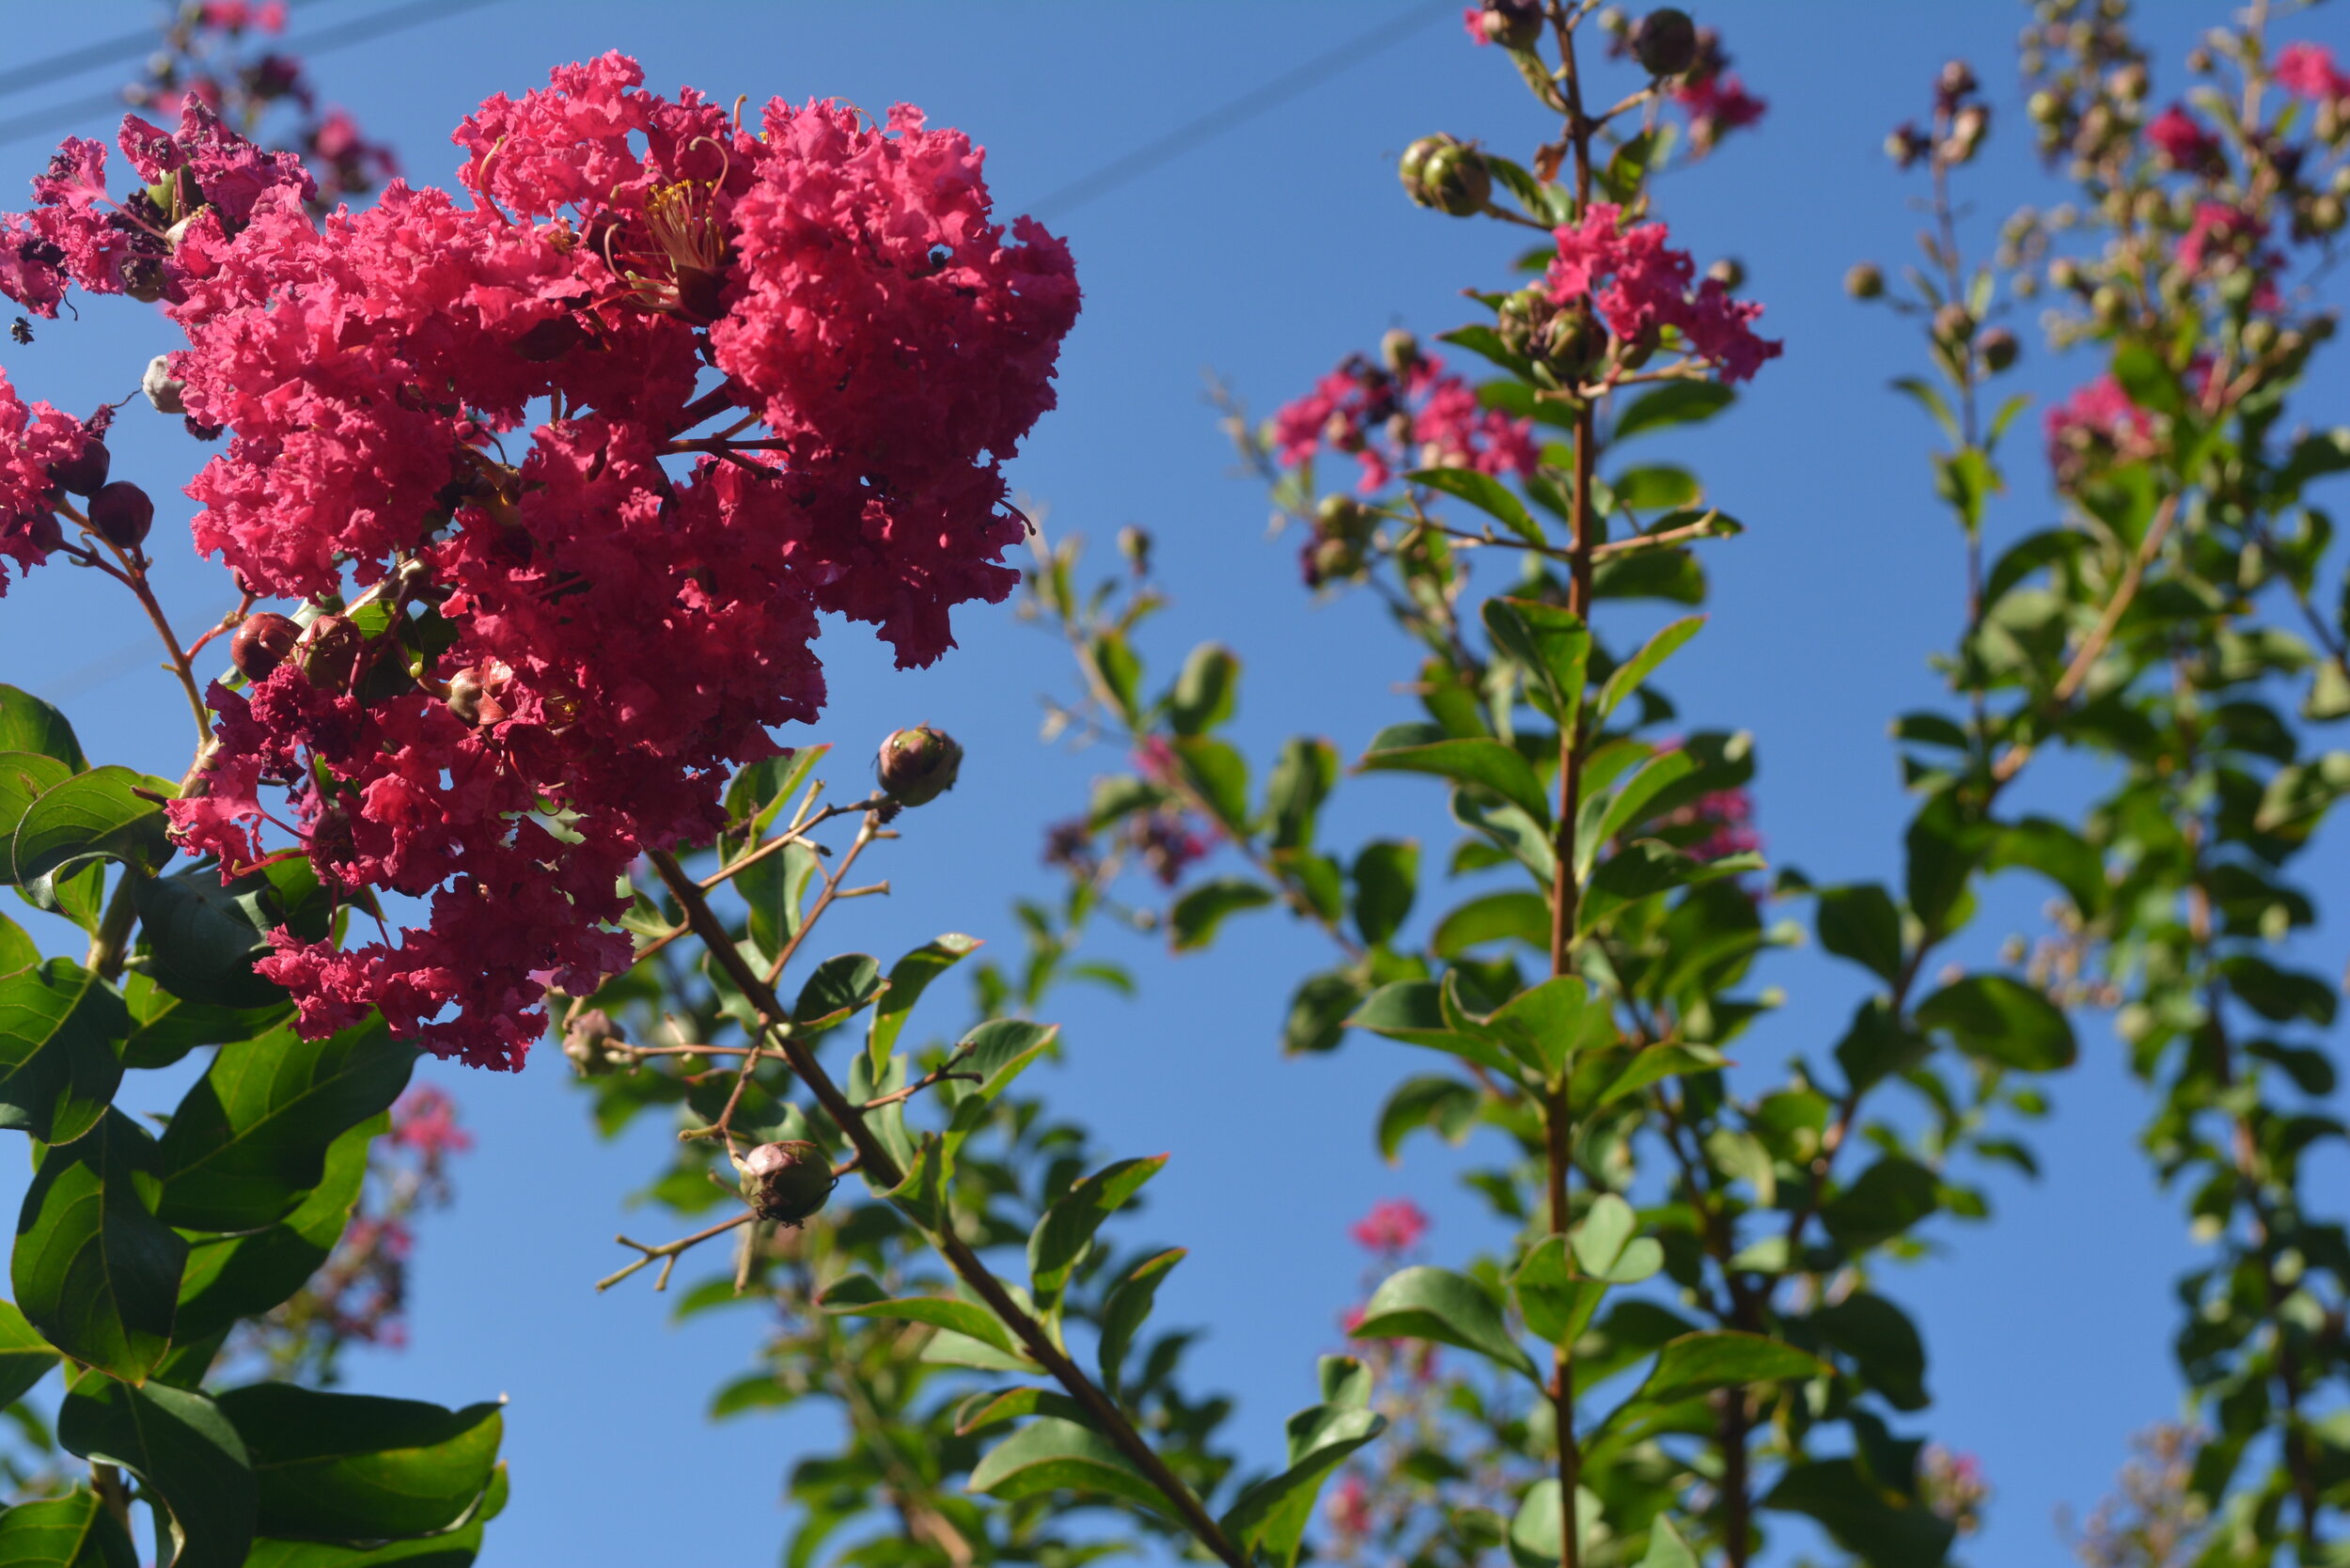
[(2096, 425), (1421, 417), (1393, 1225), (2182, 141), (31, 438), (569, 645), (2308, 70), (1711, 94), (1641, 285), (2221, 237)]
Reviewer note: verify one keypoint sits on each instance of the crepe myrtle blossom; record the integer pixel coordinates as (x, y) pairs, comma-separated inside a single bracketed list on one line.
[(468, 408), (1393, 1225), (2308, 70), (1412, 415), (1642, 286)]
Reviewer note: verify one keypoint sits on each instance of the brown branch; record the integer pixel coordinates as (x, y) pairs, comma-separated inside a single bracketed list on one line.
[(882, 1172)]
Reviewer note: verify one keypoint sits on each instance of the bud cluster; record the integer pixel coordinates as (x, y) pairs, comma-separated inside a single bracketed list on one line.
[(1404, 410)]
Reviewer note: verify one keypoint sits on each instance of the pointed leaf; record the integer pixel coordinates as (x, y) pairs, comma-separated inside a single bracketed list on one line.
[(1126, 1308), (1063, 1237), (1637, 669), (1425, 1303), (234, 1277), (61, 1033), (354, 1467), (2001, 1021), (908, 978), (1053, 1455), (72, 1532), (95, 1271), (182, 1448), (858, 1295), (1725, 1359), (29, 724), (1270, 1516), (1206, 690), (1487, 494), (92, 815)]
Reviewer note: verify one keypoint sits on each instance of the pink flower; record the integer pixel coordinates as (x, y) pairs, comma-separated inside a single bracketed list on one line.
[(1349, 1508), (2221, 234), (31, 438), (425, 1119), (2307, 71), (2181, 140), (1393, 1225), (1640, 285), (1423, 417), (2096, 425)]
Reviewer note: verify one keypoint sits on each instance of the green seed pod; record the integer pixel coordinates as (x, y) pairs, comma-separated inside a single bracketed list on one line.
[(787, 1182), (1448, 173), (917, 766), (1665, 42), (1866, 281)]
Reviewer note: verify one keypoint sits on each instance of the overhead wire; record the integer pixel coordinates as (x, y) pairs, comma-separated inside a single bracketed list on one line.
[(1238, 111)]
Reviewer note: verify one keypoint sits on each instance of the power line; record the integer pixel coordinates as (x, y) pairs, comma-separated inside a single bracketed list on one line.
[(1247, 107), (86, 56), (393, 18)]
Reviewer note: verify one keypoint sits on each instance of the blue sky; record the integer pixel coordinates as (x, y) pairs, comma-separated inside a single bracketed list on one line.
[(1263, 257)]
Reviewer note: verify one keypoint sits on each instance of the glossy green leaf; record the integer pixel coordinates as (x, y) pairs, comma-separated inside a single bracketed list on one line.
[(1318, 1011), (1302, 779), (1053, 1455), (1630, 804), (1883, 1344), (1647, 866), (837, 988), (458, 1549), (165, 1028), (1270, 1516), (1484, 764), (249, 1141), (1535, 1529), (1494, 917), (1219, 774), (1551, 642), (1413, 1012), (1065, 1233), (1193, 922), (1556, 1301), (1863, 924), (26, 1357), (1206, 690), (1125, 1309), (1447, 1105), (201, 936), (908, 978), (2001, 1021), (61, 1033), (1607, 1246), (231, 1277), (1118, 672), (29, 724), (1487, 494), (353, 1467), (1386, 879), (999, 1049), (1724, 1359), (183, 1450), (774, 889), (94, 1270), (1883, 1528), (1656, 487), (72, 1532), (24, 775), (1887, 1198), (1632, 672), (1423, 1303), (1655, 1063), (92, 815), (1676, 402), (1666, 1549)]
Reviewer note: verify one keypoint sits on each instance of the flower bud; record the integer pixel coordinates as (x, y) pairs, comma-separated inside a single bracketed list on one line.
[(1727, 271), (1866, 281), (121, 513), (593, 1045), (917, 766), (1133, 547), (1999, 349), (44, 533), (470, 699), (85, 472), (1955, 82), (328, 652), (1952, 324), (2108, 304), (1343, 517), (2045, 107), (2260, 336), (1399, 350), (1330, 560), (787, 1182), (2064, 273), (1665, 42), (261, 643), (1446, 173), (2324, 214), (1511, 23)]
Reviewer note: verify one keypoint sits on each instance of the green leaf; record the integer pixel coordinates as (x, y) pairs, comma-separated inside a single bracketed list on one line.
[(1206, 690), (1656, 487), (1655, 1063), (1413, 1012), (1891, 1197), (858, 1295), (1387, 878), (1630, 675), (1494, 917), (2057, 853), (1555, 1301), (234, 1277), (1676, 402), (1880, 1043), (1883, 1528), (1550, 641), (908, 978), (837, 988), (1270, 1516), (1219, 774), (181, 1448), (1125, 1309), (26, 1357), (1932, 401), (1063, 1237), (456, 1549), (1647, 866), (1485, 764), (776, 890), (2001, 1021), (249, 1141), (24, 775), (1119, 673), (29, 724), (1000, 1049), (1544, 1023), (1193, 921), (1607, 1246), (1487, 494), (92, 816), (1302, 780), (1447, 1105), (2150, 382), (354, 1468), (94, 1270), (72, 1532), (1317, 1013), (1724, 1359), (1423, 1303), (1054, 1455), (1535, 1530), (61, 1032), (1861, 923), (1882, 1342), (1666, 1548), (203, 935)]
